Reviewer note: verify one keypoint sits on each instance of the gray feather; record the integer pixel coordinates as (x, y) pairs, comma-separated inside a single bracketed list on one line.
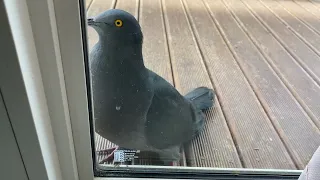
[(201, 97)]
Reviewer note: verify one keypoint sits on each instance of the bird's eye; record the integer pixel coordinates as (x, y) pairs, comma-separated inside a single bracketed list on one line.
[(118, 23)]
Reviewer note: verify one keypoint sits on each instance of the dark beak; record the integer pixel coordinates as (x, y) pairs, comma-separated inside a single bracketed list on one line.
[(90, 21)]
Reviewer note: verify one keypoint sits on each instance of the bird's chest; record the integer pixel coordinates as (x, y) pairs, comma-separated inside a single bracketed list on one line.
[(120, 108), (127, 95), (120, 91)]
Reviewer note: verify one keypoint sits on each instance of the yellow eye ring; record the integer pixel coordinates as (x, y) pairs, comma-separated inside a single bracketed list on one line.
[(118, 23)]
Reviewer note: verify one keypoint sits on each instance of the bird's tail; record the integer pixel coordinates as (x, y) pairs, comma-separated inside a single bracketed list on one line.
[(201, 97)]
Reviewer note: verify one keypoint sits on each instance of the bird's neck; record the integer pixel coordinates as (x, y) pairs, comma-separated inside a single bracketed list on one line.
[(123, 54)]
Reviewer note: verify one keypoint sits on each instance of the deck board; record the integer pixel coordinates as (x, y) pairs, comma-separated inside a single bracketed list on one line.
[(295, 138), (190, 72), (310, 7), (307, 35), (303, 84), (272, 152), (155, 47), (131, 6), (227, 75), (316, 3), (301, 13), (261, 58), (97, 7), (88, 3), (155, 44), (307, 58)]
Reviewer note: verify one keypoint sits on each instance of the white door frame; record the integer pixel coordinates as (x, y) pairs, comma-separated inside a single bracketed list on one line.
[(43, 83)]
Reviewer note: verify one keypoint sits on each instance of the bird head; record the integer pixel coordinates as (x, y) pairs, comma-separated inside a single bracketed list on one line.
[(117, 26)]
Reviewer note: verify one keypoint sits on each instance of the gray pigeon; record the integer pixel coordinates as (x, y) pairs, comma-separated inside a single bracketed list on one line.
[(134, 107)]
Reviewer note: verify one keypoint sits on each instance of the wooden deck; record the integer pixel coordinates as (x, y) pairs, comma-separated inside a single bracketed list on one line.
[(262, 57)]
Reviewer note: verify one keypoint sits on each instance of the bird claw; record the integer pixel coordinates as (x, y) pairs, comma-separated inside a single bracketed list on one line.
[(107, 159), (109, 151)]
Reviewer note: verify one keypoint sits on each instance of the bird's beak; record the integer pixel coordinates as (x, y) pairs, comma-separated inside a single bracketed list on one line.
[(91, 21)]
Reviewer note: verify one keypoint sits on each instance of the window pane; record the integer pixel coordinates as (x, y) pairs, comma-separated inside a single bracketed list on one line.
[(260, 58)]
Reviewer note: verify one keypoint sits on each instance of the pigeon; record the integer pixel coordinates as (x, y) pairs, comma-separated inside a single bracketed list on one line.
[(134, 107)]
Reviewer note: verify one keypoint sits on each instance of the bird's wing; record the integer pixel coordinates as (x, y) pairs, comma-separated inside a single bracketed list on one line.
[(170, 117)]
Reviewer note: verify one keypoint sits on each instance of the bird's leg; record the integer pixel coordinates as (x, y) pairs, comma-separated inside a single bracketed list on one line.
[(110, 157)]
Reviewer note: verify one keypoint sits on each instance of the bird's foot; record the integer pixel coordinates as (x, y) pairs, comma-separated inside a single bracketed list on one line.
[(107, 159), (171, 163), (110, 152), (174, 163)]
